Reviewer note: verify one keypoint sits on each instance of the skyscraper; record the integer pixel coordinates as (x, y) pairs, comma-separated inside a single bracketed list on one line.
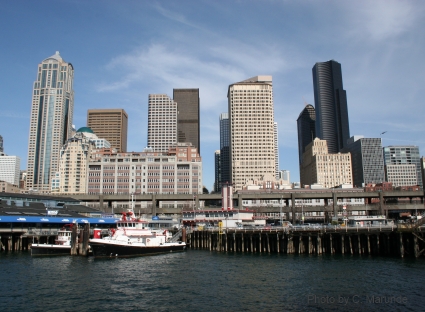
[(51, 120), (306, 125), (224, 149), (10, 167), (276, 149), (367, 160), (402, 156), (217, 172), (331, 105), (110, 124), (251, 120), (188, 116), (162, 122), (1, 144)]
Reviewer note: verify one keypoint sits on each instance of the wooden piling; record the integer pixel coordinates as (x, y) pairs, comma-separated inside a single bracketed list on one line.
[(74, 241)]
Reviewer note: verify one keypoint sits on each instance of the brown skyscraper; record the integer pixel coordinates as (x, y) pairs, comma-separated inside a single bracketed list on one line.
[(110, 124), (188, 116)]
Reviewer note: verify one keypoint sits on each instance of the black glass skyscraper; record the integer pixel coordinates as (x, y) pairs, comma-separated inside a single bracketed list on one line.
[(331, 105), (188, 116), (224, 148), (306, 125)]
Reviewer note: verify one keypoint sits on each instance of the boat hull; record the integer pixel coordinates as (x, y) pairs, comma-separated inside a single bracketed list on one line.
[(50, 250), (110, 250)]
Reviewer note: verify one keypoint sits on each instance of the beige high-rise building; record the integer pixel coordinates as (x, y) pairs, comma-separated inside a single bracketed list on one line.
[(320, 167), (74, 159), (50, 121), (110, 124), (252, 135), (162, 122)]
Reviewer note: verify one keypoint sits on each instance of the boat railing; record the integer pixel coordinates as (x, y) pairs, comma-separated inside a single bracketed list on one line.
[(176, 237), (41, 232)]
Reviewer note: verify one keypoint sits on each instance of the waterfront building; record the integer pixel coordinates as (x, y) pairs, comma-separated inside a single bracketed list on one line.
[(178, 171), (50, 122), (111, 125), (276, 148), (74, 159), (320, 167), (331, 105), (367, 160), (188, 122), (403, 155), (1, 144), (217, 171), (10, 167), (224, 149), (162, 122), (252, 139), (306, 126)]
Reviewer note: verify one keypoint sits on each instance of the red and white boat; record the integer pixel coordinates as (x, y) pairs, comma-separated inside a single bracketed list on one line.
[(61, 247), (131, 238)]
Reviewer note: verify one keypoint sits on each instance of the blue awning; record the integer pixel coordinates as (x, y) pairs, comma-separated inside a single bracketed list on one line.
[(57, 220)]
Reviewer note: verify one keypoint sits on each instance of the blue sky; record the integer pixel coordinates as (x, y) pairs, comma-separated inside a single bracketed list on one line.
[(124, 50)]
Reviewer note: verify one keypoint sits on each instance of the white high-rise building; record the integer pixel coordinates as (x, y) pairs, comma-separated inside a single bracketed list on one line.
[(162, 122), (50, 121), (252, 134), (10, 167), (276, 149)]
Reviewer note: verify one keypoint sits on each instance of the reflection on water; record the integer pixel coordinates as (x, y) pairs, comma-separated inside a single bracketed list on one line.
[(210, 281)]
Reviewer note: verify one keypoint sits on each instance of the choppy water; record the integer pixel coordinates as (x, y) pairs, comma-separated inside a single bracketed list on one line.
[(210, 281)]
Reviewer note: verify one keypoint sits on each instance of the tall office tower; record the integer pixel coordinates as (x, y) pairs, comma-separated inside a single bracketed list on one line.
[(251, 119), (224, 149), (320, 167), (10, 167), (331, 105), (162, 122), (403, 155), (217, 172), (188, 116), (367, 160), (306, 126), (110, 124), (51, 120), (1, 144), (276, 149)]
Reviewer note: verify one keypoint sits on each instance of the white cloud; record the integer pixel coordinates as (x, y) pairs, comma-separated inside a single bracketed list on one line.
[(381, 20)]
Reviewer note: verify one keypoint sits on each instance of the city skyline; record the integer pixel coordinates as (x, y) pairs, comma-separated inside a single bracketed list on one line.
[(124, 59)]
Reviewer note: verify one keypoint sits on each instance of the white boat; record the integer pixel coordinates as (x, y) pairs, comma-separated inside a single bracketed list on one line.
[(133, 237), (61, 247)]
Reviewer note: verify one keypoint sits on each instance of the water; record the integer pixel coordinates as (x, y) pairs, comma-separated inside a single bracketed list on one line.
[(211, 281)]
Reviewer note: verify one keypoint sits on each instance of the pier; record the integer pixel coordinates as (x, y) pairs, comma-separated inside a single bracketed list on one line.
[(373, 241)]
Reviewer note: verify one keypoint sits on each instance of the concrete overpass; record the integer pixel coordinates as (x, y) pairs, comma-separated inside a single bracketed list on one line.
[(405, 200)]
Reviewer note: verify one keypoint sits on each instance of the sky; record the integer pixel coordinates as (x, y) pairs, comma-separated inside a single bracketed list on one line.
[(124, 50)]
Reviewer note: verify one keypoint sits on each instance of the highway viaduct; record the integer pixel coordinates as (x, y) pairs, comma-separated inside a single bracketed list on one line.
[(384, 202)]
